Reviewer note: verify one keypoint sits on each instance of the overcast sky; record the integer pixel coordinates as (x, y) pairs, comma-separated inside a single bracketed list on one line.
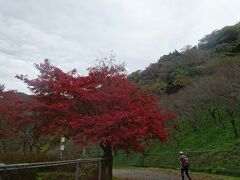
[(72, 33)]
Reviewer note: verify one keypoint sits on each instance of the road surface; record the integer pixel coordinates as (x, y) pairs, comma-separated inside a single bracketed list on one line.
[(144, 174), (154, 174)]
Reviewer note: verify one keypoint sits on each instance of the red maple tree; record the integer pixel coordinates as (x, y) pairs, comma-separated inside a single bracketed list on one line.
[(102, 107), (10, 115)]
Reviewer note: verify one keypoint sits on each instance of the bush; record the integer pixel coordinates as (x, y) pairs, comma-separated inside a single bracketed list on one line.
[(55, 176), (14, 158), (24, 174)]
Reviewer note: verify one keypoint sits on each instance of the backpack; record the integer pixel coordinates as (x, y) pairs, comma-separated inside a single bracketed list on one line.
[(185, 161)]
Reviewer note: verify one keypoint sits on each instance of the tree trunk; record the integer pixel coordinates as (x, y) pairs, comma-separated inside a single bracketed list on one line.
[(220, 119), (31, 147), (4, 146), (107, 149), (234, 128), (107, 165), (24, 146), (212, 113), (233, 123)]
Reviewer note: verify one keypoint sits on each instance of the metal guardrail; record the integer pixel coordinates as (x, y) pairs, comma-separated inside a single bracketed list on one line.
[(77, 162)]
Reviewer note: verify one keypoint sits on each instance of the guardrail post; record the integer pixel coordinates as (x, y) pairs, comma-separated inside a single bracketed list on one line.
[(78, 174), (100, 169)]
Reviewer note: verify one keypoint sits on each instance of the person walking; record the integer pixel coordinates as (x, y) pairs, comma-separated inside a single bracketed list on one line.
[(184, 161)]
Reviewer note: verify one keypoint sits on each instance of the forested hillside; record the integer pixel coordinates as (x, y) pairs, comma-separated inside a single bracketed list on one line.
[(201, 85), (176, 70)]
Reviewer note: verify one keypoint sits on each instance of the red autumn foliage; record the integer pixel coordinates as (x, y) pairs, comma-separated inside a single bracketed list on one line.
[(102, 107), (16, 119), (10, 113)]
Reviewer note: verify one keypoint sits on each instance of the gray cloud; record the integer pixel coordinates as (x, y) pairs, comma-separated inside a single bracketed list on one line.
[(72, 33)]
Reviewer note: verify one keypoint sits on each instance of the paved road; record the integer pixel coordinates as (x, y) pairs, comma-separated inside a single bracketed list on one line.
[(156, 174), (144, 174)]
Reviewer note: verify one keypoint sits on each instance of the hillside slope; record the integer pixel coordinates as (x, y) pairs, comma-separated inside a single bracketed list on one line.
[(201, 85)]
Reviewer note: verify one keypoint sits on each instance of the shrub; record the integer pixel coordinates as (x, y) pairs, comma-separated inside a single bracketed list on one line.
[(55, 176), (14, 158)]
